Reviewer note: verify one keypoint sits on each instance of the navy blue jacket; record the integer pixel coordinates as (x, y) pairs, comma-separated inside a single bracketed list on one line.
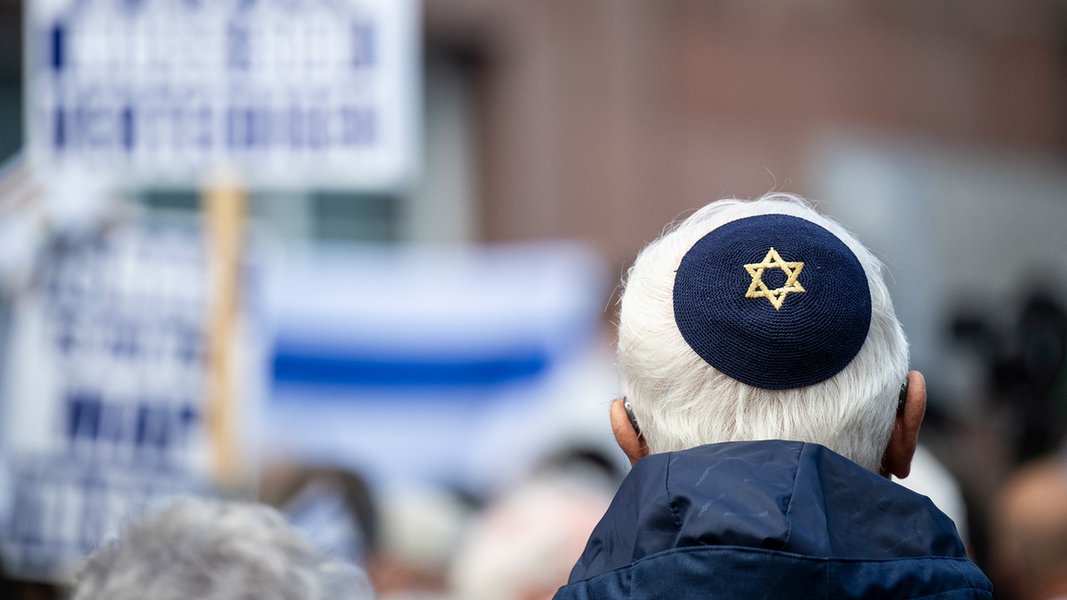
[(770, 519)]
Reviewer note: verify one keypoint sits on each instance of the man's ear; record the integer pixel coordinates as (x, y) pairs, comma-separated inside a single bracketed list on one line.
[(631, 442), (905, 436)]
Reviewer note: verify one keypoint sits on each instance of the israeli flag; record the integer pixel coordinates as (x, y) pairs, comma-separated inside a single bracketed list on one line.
[(453, 365)]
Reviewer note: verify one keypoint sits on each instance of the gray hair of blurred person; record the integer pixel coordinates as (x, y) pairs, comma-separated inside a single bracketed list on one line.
[(213, 550), (681, 401)]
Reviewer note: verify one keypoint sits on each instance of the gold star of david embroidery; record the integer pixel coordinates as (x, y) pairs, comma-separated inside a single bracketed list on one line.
[(758, 289)]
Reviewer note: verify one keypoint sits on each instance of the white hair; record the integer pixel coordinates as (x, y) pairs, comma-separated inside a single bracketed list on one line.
[(216, 551), (681, 401)]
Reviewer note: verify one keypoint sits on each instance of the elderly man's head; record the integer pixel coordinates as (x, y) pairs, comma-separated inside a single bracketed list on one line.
[(764, 320), (216, 551)]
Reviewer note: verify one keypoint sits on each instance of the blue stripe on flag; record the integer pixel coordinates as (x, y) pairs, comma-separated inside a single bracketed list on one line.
[(355, 370)]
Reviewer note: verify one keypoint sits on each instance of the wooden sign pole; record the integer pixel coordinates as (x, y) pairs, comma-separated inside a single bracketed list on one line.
[(224, 210)]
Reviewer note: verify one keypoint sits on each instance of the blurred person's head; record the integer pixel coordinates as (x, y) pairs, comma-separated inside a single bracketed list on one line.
[(525, 543), (1029, 536), (420, 526), (212, 550), (763, 319)]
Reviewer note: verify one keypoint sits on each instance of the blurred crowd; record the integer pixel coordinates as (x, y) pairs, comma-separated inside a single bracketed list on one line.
[(409, 543)]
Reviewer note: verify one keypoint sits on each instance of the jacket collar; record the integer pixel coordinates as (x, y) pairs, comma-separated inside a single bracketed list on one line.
[(793, 497)]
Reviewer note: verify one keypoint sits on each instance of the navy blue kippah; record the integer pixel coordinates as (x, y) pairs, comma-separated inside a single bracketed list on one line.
[(773, 301)]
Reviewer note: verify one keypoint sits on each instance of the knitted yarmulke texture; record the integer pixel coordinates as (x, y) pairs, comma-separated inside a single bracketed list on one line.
[(773, 301)]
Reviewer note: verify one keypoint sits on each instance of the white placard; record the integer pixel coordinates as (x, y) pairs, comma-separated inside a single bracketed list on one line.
[(286, 92), (102, 403)]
